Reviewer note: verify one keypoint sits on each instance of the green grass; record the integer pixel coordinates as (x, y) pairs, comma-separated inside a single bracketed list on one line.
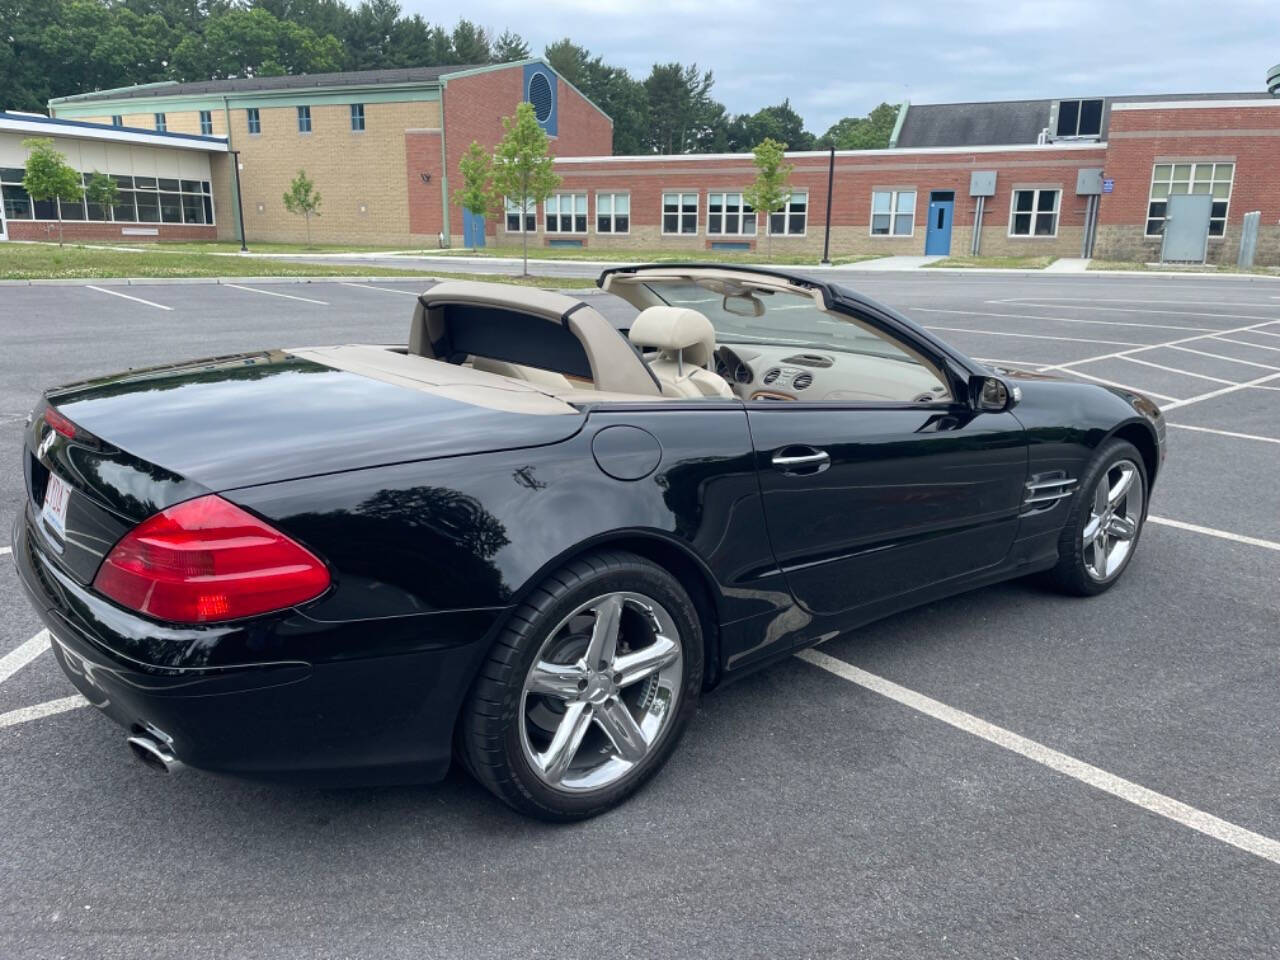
[(652, 255), (1138, 267), (231, 246), (994, 263), (21, 261)]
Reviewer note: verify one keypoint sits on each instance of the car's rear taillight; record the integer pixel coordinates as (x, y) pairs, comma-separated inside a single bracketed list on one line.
[(59, 423), (207, 560)]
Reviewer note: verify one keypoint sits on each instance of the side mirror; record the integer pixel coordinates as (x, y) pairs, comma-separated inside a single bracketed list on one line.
[(993, 394)]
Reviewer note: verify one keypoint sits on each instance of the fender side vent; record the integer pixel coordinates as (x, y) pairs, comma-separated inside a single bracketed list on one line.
[(1045, 490)]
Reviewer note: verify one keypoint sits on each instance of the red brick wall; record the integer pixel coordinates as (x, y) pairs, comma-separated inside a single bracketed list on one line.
[(855, 179), (422, 155), (99, 232), (1247, 136), (473, 110)]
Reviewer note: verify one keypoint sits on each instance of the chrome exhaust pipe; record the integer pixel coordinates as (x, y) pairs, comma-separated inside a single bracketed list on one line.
[(154, 753)]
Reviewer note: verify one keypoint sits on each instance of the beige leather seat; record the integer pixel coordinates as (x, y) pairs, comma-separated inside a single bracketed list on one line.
[(544, 379), (686, 342)]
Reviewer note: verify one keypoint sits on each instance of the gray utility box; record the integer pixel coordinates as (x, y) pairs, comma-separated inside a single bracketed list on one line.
[(1089, 182), (982, 183)]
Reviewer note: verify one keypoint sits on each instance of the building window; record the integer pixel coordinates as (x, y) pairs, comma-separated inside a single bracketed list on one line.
[(893, 213), (613, 213), (1174, 178), (1034, 213), (117, 120), (566, 213), (162, 124), (1080, 118), (17, 203), (728, 213), (680, 213), (513, 216), (357, 117), (793, 219), (206, 123), (255, 120), (304, 119)]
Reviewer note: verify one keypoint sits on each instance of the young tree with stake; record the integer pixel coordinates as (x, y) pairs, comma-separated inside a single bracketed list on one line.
[(101, 191), (772, 187), (476, 195), (49, 177), (303, 198), (522, 170)]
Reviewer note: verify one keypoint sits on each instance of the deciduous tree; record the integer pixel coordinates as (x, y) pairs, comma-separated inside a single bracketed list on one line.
[(772, 187), (49, 177), (476, 193), (303, 198), (522, 169)]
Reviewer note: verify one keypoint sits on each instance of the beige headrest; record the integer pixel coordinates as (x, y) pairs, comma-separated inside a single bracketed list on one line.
[(675, 328)]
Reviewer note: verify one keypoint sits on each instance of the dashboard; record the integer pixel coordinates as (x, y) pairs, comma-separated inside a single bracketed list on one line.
[(765, 372)]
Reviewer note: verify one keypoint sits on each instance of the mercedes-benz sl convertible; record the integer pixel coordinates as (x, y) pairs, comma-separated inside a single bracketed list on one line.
[(530, 537)]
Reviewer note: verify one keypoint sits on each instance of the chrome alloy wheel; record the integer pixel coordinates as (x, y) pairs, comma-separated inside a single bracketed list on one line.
[(601, 692), (1114, 519)]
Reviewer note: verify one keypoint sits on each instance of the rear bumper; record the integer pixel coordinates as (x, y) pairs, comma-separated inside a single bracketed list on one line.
[(342, 720)]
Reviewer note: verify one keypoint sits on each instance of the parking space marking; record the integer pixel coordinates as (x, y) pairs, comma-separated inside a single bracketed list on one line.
[(1027, 316), (1223, 433), (1165, 313), (46, 709), (24, 653), (272, 293), (125, 296), (370, 286), (1134, 793), (1142, 348), (1218, 356), (1213, 532), (1036, 336), (1246, 343), (1221, 391), (1184, 373), (1113, 383)]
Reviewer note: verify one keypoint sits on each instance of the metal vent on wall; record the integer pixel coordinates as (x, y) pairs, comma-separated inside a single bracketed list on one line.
[(541, 96)]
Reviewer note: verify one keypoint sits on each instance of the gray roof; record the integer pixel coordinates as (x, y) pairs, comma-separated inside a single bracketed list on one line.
[(311, 81), (1006, 122)]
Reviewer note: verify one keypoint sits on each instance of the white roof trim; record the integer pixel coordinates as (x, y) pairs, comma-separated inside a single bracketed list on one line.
[(798, 154), (77, 131), (1193, 104)]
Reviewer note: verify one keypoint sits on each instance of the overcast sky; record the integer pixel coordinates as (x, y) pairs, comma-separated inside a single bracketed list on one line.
[(835, 59)]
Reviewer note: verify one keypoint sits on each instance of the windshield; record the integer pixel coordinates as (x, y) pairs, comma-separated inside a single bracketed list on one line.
[(786, 319)]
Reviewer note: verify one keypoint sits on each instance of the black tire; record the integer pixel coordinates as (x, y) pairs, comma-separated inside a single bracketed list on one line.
[(490, 738), (1071, 575)]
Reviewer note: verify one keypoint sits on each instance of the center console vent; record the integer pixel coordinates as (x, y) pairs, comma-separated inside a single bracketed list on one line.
[(772, 375), (810, 360), (802, 381)]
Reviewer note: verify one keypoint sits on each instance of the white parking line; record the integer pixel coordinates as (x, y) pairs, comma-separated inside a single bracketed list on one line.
[(1184, 373), (370, 286), (1134, 793), (1036, 336), (1028, 316), (1113, 383), (24, 653), (125, 296), (272, 293), (1219, 356), (46, 709), (5, 550), (1221, 392), (1212, 532), (1246, 343), (1165, 313), (1168, 343), (1223, 433)]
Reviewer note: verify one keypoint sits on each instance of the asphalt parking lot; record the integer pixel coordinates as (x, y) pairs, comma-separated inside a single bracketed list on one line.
[(1008, 773)]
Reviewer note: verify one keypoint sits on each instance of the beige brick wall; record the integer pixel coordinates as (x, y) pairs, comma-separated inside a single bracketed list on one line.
[(361, 177)]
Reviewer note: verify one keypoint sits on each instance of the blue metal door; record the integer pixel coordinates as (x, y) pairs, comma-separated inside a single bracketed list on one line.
[(472, 229), (938, 238)]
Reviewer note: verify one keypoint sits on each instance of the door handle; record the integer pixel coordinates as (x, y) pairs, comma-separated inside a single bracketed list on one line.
[(801, 460)]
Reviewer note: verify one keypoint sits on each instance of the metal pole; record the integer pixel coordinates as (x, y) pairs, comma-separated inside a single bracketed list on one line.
[(831, 179), (235, 160)]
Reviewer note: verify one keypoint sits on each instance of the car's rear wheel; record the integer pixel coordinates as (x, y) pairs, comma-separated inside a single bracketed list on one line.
[(1102, 530), (585, 693)]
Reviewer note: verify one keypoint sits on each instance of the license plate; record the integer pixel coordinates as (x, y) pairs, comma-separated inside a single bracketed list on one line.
[(54, 511)]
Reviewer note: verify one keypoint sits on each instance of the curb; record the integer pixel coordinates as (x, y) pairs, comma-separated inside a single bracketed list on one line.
[(181, 281)]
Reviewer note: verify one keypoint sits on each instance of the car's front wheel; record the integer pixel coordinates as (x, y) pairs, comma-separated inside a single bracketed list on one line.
[(1102, 530), (585, 693)]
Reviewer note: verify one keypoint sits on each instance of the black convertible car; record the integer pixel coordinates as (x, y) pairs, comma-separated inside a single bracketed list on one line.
[(529, 538)]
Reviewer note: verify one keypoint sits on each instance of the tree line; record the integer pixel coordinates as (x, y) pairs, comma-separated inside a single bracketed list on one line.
[(56, 48)]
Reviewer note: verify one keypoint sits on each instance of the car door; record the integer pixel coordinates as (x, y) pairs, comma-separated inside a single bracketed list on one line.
[(870, 501)]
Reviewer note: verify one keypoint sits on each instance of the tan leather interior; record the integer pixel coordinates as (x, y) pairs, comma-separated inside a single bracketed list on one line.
[(552, 381), (686, 342)]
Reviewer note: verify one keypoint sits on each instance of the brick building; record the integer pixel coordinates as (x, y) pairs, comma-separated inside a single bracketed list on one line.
[(1069, 177)]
